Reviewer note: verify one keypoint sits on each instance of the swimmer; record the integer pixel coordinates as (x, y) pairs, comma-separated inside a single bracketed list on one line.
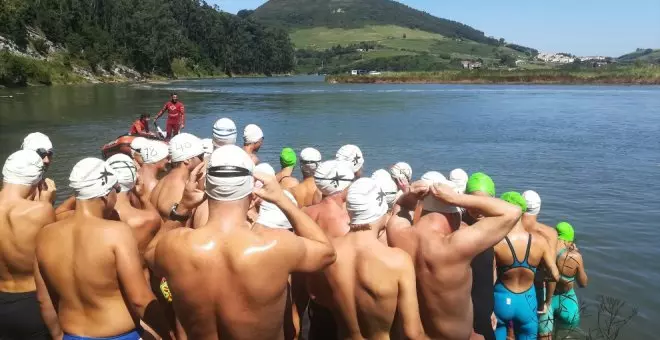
[(288, 160), (484, 275), (207, 145), (544, 287), (224, 132), (20, 221), (143, 218), (353, 155), (370, 282), (565, 307), (402, 174), (253, 139), (156, 157), (41, 144), (306, 193), (194, 258), (442, 252), (460, 178), (90, 267), (389, 194), (136, 149), (186, 152), (516, 258)]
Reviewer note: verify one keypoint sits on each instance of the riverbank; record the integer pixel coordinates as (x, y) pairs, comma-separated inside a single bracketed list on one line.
[(642, 75)]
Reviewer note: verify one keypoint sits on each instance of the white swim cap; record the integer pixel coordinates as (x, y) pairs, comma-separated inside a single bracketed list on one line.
[(387, 186), (36, 141), (352, 154), (185, 146), (138, 143), (333, 176), (124, 169), (460, 178), (23, 167), (432, 204), (401, 171), (272, 217), (252, 134), (153, 151), (309, 161), (207, 145), (365, 202), (92, 178), (229, 175), (224, 132), (265, 168), (533, 202)]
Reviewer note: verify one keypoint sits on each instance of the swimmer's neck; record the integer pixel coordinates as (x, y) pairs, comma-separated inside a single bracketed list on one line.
[(149, 170), (530, 220), (90, 208), (124, 200), (286, 172), (227, 216), (371, 233), (337, 199), (180, 171), (14, 191), (519, 227)]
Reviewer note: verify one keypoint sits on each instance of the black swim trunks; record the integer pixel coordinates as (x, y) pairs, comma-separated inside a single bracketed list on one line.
[(322, 324), (20, 317)]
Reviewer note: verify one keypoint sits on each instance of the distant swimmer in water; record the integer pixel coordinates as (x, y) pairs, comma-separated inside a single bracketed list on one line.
[(156, 157), (90, 268), (306, 193), (20, 221), (483, 265), (224, 132), (143, 218), (564, 311), (41, 144), (254, 264), (353, 155), (370, 282), (253, 139), (140, 126), (517, 257), (288, 161), (176, 116), (186, 152), (443, 252)]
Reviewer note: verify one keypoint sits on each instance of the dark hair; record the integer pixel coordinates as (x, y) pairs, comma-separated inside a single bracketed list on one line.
[(144, 115), (173, 94)]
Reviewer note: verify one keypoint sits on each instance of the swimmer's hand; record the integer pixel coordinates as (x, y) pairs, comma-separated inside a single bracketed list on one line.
[(419, 188), (402, 184), (544, 310), (271, 190), (193, 194), (48, 191), (493, 321), (443, 193)]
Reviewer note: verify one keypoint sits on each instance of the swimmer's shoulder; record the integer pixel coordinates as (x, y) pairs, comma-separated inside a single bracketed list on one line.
[(37, 212)]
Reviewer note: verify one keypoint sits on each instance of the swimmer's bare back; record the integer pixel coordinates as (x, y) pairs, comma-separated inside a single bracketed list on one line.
[(306, 193), (442, 256), (331, 216)]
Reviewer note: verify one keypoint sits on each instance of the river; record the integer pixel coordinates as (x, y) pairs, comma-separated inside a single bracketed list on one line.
[(592, 152)]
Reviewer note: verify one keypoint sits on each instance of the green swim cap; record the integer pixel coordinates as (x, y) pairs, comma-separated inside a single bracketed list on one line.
[(288, 158), (479, 181), (565, 232), (515, 199)]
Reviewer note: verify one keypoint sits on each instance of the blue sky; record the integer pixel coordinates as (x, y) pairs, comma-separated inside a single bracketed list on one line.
[(581, 27)]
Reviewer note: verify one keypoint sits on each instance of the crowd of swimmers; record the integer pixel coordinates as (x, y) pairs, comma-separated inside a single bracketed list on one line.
[(198, 239)]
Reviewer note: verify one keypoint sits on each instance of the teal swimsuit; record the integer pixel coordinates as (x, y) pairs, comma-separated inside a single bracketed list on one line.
[(517, 307), (565, 308)]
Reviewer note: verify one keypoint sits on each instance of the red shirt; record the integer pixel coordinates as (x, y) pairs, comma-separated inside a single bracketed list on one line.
[(176, 113), (138, 127)]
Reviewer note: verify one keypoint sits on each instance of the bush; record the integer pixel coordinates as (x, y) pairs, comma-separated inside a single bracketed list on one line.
[(41, 46), (19, 71)]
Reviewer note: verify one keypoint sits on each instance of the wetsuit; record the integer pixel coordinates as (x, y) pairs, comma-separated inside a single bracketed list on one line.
[(20, 317), (565, 307), (517, 307), (176, 117), (322, 324), (482, 289)]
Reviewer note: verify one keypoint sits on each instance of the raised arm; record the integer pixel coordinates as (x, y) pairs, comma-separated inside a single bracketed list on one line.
[(131, 278), (160, 113), (407, 301), (317, 251), (500, 217), (183, 115), (581, 275), (68, 205), (46, 306)]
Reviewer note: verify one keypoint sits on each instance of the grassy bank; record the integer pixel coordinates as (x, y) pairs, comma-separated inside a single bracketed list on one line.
[(647, 75)]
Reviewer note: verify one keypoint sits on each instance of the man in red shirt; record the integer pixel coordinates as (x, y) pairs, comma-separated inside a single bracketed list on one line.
[(176, 116), (141, 125)]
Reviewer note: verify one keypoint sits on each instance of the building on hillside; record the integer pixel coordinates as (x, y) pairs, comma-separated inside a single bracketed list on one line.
[(471, 65), (520, 62), (358, 72)]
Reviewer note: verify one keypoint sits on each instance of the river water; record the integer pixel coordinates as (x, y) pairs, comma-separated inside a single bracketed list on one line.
[(592, 152)]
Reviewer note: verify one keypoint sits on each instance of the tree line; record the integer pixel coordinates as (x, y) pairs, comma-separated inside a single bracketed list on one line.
[(149, 35)]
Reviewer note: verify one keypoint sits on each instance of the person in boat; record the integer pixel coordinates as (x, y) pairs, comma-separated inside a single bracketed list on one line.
[(140, 126), (176, 116)]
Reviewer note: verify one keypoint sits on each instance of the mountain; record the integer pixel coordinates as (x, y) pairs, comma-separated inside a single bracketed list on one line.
[(642, 55), (359, 13)]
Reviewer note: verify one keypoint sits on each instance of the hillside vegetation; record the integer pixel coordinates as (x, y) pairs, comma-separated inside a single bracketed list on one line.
[(642, 55), (149, 35)]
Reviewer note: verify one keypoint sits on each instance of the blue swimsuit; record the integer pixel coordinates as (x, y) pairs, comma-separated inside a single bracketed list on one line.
[(517, 307)]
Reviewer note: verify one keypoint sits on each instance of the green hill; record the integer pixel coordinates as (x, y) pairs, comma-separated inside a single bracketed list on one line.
[(642, 55), (334, 36)]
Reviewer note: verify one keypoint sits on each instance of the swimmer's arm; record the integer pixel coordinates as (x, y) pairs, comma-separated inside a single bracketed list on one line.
[(581, 275), (131, 278), (317, 251), (48, 313), (68, 205), (407, 301), (500, 219), (551, 263), (150, 252)]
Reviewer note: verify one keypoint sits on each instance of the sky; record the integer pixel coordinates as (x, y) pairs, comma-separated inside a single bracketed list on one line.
[(580, 27)]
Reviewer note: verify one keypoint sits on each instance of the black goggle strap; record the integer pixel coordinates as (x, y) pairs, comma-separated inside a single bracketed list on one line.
[(309, 162), (228, 171), (335, 180), (125, 165), (43, 152)]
